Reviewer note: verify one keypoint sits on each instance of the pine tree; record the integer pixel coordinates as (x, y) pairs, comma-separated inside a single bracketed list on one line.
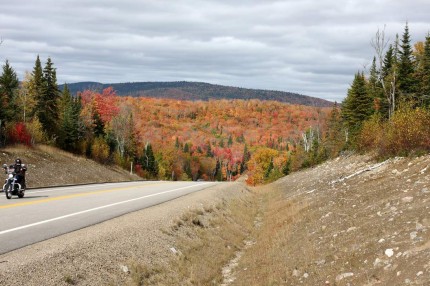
[(245, 158), (425, 81), (148, 161), (8, 87), (407, 83), (47, 106), (334, 138), (376, 92), (70, 130), (357, 106)]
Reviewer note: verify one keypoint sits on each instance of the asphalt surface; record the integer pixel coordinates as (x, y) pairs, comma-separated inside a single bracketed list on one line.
[(49, 212)]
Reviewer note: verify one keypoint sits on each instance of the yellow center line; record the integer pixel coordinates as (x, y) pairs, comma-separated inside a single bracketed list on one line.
[(71, 196)]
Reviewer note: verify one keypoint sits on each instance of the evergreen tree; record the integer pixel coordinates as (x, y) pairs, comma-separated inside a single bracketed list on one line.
[(245, 158), (230, 141), (357, 106), (148, 161), (286, 169), (186, 148), (407, 83), (376, 91), (47, 105), (209, 152), (8, 87), (98, 125), (70, 131), (334, 138), (36, 84), (425, 80)]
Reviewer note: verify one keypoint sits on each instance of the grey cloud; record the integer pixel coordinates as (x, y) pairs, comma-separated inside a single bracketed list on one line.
[(311, 47)]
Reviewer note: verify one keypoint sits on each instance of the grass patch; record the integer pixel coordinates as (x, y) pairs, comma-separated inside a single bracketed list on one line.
[(206, 240)]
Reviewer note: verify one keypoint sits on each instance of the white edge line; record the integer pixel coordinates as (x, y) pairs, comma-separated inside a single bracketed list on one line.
[(94, 209)]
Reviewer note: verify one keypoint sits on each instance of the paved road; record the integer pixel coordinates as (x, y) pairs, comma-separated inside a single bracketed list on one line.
[(49, 212)]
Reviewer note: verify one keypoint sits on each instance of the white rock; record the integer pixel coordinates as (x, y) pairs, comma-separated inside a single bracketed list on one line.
[(296, 273), (344, 275), (389, 252), (407, 199), (351, 229), (425, 190), (306, 275), (420, 273), (377, 262), (413, 235), (419, 226), (381, 240), (172, 249), (399, 272), (124, 269)]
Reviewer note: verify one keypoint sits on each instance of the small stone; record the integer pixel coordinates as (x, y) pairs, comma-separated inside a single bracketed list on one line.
[(419, 226), (399, 272), (413, 235), (172, 249), (125, 269), (381, 240), (425, 190), (377, 262), (420, 273), (344, 275), (296, 273), (351, 229), (389, 252), (306, 275), (407, 199)]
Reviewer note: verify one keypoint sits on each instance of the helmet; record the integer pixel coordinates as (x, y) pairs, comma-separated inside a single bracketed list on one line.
[(18, 161)]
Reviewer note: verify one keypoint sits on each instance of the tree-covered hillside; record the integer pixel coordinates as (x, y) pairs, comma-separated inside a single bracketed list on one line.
[(184, 90)]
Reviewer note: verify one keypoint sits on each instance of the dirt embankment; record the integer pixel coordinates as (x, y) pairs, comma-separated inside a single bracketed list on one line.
[(350, 221), (48, 166)]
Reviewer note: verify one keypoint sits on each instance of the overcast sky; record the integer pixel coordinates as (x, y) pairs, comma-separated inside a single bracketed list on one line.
[(312, 47)]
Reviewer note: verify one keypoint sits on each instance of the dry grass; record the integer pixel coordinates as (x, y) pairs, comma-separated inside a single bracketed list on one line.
[(207, 239), (264, 262)]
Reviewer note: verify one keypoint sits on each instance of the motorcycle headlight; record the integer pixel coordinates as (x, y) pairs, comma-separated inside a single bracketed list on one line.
[(10, 176)]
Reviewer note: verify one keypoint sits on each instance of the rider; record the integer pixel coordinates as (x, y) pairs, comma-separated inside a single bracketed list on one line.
[(20, 172)]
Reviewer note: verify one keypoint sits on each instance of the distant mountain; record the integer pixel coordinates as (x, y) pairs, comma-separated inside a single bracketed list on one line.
[(184, 90)]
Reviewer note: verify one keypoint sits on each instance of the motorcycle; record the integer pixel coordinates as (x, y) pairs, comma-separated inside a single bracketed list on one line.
[(11, 185)]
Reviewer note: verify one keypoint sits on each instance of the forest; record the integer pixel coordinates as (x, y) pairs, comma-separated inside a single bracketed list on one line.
[(385, 111), (165, 139)]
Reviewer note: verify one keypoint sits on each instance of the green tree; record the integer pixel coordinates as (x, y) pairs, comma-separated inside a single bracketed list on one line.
[(8, 88), (425, 80), (70, 131), (47, 105), (407, 82), (334, 139), (376, 91), (357, 106), (148, 161)]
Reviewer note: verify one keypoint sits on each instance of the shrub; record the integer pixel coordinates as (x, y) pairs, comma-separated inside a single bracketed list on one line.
[(408, 131), (100, 150)]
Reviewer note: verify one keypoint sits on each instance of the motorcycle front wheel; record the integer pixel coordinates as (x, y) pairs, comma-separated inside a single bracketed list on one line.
[(8, 191)]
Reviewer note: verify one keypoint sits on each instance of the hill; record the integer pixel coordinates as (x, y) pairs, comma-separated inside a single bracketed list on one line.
[(184, 90), (49, 166)]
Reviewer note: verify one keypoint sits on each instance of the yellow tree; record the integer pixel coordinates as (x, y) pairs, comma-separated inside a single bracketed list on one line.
[(260, 165)]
